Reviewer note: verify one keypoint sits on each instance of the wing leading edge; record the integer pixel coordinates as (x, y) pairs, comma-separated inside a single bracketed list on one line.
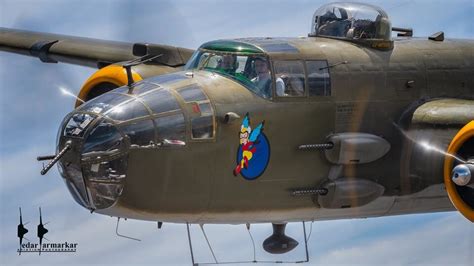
[(53, 48)]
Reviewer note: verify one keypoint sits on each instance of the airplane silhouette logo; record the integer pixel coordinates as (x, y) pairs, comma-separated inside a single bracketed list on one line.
[(21, 232), (41, 231)]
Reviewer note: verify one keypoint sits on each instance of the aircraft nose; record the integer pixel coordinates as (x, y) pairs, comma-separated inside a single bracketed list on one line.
[(101, 133), (96, 163)]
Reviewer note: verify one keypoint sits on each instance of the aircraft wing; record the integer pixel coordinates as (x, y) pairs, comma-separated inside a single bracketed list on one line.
[(53, 48)]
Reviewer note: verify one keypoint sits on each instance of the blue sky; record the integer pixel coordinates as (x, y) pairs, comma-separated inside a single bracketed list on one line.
[(31, 108)]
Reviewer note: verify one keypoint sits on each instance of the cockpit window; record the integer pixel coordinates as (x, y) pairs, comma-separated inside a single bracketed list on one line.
[(239, 67), (351, 21)]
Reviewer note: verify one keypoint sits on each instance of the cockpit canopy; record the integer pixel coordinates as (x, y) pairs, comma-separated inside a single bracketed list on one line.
[(351, 21), (242, 62)]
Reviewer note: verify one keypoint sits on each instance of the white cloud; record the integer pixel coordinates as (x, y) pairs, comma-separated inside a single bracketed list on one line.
[(445, 241), (15, 177)]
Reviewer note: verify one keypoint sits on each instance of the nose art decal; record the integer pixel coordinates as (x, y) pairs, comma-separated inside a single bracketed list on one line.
[(253, 153)]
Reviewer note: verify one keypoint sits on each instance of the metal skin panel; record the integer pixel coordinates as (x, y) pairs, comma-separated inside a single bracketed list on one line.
[(208, 185), (445, 112)]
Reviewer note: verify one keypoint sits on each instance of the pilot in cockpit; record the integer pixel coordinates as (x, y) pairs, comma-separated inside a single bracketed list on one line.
[(263, 80), (228, 64)]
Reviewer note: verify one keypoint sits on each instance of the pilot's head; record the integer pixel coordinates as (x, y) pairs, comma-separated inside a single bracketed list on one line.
[(228, 63), (261, 65)]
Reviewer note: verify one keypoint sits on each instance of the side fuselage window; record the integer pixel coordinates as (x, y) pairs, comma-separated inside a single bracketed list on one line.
[(289, 78), (201, 112), (319, 81)]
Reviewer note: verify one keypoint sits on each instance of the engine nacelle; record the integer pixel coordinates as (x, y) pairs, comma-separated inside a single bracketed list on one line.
[(461, 150), (104, 80), (114, 76), (439, 147)]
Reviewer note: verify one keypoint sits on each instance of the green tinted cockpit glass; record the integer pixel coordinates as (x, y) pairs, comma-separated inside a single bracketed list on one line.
[(251, 70), (231, 46)]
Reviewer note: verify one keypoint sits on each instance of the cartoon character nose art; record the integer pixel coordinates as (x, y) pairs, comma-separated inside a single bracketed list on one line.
[(253, 154)]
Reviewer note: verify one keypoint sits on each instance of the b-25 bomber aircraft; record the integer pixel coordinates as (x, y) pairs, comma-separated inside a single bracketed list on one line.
[(348, 122)]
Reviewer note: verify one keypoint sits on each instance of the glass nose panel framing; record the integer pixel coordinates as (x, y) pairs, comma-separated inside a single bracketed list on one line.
[(200, 111), (107, 127), (135, 113)]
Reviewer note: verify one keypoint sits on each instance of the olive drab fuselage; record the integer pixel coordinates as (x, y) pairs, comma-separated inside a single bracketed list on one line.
[(348, 122), (369, 94)]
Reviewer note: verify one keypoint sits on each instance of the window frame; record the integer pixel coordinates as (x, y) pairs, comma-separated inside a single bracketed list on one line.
[(306, 81), (237, 54), (275, 96), (329, 74), (189, 117)]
